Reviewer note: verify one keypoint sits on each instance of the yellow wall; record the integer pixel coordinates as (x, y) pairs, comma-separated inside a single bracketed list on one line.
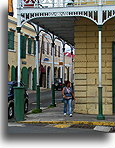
[(30, 58), (86, 66)]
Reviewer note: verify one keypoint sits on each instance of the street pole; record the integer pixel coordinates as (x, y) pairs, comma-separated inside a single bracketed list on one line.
[(100, 104), (63, 74), (53, 86), (37, 73), (19, 91)]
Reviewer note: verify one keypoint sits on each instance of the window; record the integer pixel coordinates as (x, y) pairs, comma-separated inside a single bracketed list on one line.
[(11, 40), (58, 51), (47, 48), (55, 50)]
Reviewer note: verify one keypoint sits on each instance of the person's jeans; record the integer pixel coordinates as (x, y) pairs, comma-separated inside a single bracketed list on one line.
[(68, 102)]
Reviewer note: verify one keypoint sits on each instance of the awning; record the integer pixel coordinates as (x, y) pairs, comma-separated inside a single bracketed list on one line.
[(63, 27)]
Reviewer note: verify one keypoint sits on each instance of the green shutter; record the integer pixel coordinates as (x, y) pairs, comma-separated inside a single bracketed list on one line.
[(23, 46), (13, 73), (25, 76), (11, 40), (29, 45), (34, 47)]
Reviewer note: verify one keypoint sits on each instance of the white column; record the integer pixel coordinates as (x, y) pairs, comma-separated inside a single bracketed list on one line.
[(37, 56), (63, 64), (100, 57), (18, 31), (19, 59), (71, 66), (53, 44)]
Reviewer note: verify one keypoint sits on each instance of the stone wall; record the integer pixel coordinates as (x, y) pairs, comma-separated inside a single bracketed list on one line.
[(86, 66)]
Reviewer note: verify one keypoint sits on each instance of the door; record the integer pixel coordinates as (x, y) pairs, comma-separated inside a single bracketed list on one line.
[(25, 76), (113, 75), (34, 79)]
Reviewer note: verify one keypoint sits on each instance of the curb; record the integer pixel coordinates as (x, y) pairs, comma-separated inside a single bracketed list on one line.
[(112, 124)]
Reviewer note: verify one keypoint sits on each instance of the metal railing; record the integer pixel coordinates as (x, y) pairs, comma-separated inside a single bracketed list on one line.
[(64, 3)]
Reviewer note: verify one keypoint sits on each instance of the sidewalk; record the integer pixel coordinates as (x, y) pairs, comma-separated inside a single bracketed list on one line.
[(55, 116), (41, 90)]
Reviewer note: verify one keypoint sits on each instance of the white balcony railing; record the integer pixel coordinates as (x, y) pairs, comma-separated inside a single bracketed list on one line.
[(64, 3)]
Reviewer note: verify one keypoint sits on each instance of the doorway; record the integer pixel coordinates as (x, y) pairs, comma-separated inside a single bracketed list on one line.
[(30, 78)]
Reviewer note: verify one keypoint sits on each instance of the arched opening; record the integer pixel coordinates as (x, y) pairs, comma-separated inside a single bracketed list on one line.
[(13, 73), (48, 77), (55, 72), (24, 77), (30, 78), (8, 72), (34, 79), (42, 76), (59, 72), (68, 73)]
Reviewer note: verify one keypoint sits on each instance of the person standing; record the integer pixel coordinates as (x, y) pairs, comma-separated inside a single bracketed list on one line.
[(68, 96)]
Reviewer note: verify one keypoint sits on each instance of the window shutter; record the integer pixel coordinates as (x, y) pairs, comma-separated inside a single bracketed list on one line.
[(34, 47), (29, 45), (8, 39), (23, 46), (11, 40)]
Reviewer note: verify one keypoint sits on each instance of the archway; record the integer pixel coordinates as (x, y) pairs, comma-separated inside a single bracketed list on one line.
[(55, 72), (34, 79), (30, 78), (59, 71), (68, 73), (25, 76), (8, 72), (48, 77), (13, 73)]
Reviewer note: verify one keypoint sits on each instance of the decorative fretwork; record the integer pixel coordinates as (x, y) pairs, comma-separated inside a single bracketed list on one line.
[(88, 14), (107, 14)]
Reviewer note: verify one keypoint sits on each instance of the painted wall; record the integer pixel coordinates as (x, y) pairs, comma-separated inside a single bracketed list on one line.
[(29, 61), (86, 66)]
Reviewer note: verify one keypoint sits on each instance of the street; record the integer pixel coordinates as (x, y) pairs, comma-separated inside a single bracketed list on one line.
[(15, 128), (46, 98)]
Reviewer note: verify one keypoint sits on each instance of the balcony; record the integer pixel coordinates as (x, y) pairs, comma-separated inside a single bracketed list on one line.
[(59, 16), (64, 3)]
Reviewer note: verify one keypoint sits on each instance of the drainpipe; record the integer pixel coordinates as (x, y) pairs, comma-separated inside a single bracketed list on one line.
[(100, 105)]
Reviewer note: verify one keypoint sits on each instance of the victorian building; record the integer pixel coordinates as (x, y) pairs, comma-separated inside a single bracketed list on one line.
[(89, 26), (28, 56)]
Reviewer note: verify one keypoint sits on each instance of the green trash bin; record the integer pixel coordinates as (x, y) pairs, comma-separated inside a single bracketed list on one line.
[(19, 103)]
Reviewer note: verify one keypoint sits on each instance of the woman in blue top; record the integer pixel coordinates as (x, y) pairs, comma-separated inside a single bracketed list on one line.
[(68, 94)]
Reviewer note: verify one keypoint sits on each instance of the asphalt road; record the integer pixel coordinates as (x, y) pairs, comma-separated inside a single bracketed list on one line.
[(14, 128), (45, 98)]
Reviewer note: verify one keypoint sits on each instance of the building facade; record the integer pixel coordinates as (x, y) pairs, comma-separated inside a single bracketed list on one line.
[(86, 66), (28, 56), (89, 26)]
